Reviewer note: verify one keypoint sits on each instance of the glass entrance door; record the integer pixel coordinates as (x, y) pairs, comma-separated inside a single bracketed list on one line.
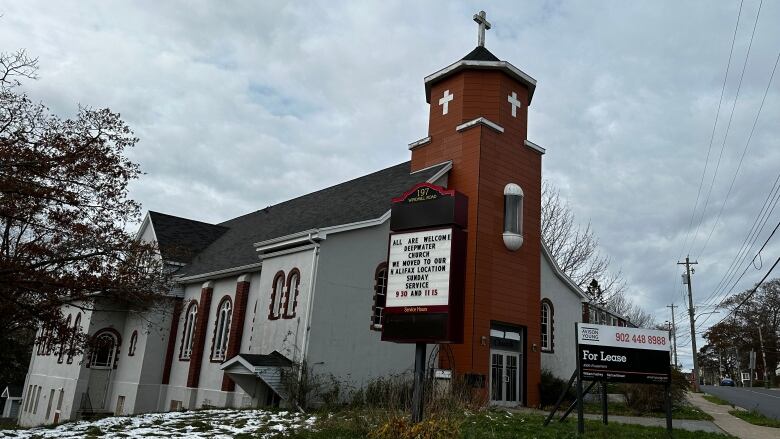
[(504, 378)]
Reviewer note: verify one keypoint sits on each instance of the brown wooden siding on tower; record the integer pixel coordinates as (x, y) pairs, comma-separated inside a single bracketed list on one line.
[(500, 285)]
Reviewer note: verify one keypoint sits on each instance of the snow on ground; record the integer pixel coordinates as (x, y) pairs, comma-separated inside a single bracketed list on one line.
[(192, 424)]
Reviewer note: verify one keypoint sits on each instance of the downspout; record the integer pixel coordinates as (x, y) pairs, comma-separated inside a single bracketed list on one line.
[(314, 262), (310, 305)]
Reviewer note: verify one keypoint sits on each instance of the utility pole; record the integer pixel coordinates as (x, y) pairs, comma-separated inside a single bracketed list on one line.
[(763, 356), (674, 333), (688, 264)]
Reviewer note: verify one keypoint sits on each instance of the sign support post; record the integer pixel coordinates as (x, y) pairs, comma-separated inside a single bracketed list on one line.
[(419, 375), (668, 400), (580, 408), (604, 402), (426, 266)]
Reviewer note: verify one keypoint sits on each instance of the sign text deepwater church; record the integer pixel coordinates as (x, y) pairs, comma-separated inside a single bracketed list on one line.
[(419, 269)]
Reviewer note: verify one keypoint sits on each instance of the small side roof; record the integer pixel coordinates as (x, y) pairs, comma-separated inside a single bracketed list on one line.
[(12, 391), (180, 239)]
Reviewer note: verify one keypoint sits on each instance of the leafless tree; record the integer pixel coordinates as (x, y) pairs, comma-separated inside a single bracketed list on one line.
[(575, 248)]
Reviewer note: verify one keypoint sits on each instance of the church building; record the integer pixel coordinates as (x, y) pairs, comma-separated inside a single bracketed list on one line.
[(305, 280)]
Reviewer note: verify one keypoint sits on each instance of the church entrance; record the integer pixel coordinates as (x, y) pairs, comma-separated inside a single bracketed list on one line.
[(101, 365), (506, 365)]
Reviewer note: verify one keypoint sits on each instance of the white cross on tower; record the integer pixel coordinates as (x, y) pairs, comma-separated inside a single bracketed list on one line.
[(514, 102), (483, 25), (445, 101)]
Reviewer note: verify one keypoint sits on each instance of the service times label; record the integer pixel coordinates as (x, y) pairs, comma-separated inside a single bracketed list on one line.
[(419, 270)]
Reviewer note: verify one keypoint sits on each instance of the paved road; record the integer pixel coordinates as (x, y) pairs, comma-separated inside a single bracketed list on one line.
[(766, 401)]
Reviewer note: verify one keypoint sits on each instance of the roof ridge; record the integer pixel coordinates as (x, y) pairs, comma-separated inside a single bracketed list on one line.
[(317, 191), (186, 219)]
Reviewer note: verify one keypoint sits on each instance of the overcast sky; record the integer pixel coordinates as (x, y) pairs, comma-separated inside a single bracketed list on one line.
[(239, 105)]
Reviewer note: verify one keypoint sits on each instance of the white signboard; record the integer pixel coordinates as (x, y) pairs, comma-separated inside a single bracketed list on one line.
[(623, 337), (419, 269)]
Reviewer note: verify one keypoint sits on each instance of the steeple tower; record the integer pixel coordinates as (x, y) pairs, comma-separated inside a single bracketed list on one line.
[(478, 119)]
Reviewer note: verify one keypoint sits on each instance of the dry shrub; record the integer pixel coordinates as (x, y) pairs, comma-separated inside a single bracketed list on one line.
[(401, 427), (650, 397)]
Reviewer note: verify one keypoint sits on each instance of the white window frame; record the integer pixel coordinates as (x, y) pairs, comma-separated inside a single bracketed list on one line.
[(112, 353), (546, 320), (222, 330), (279, 305), (190, 320)]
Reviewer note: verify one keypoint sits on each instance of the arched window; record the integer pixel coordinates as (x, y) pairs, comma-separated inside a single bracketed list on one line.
[(188, 334), (291, 295), (63, 340), (222, 330), (277, 296), (73, 336), (547, 326), (133, 342), (105, 347), (380, 296)]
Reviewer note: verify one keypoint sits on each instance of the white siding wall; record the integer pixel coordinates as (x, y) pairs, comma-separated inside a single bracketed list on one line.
[(567, 308)]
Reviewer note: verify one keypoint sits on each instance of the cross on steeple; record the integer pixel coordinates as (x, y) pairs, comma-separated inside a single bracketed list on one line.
[(483, 25)]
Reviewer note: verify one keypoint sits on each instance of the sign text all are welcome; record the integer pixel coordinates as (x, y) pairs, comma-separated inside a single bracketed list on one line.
[(419, 269)]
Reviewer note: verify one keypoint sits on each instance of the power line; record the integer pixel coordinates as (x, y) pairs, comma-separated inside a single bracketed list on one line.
[(712, 136), (753, 291), (742, 158), (728, 127)]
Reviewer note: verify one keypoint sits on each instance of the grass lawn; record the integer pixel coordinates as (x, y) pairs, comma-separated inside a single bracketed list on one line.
[(756, 418), (715, 400), (492, 424), (618, 409)]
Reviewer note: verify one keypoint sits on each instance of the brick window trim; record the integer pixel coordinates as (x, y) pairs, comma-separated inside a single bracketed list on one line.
[(377, 287), (225, 298), (288, 284), (274, 294), (76, 327), (118, 339), (550, 325), (133, 343), (193, 303)]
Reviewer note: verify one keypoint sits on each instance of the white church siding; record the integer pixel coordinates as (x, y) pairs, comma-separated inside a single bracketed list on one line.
[(341, 342), (567, 309), (47, 374), (285, 335)]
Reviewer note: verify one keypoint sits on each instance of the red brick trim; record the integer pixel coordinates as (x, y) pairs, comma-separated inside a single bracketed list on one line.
[(378, 303), (171, 342), (228, 299), (297, 273), (236, 330), (194, 303), (133, 343), (272, 315), (193, 377)]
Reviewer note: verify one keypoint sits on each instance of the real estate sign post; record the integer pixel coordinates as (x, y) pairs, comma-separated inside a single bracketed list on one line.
[(624, 355)]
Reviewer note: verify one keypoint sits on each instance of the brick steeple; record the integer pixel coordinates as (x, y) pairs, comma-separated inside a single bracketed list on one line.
[(478, 119)]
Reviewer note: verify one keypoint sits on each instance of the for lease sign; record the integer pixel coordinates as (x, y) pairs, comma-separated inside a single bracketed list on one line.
[(419, 270), (615, 353)]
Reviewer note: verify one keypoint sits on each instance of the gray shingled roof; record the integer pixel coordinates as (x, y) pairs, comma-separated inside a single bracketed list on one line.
[(181, 239), (480, 53), (274, 359), (361, 199)]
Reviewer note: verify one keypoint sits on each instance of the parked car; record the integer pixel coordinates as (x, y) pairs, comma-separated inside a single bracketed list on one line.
[(727, 382)]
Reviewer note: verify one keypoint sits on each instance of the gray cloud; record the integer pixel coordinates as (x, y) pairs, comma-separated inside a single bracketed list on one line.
[(244, 105)]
